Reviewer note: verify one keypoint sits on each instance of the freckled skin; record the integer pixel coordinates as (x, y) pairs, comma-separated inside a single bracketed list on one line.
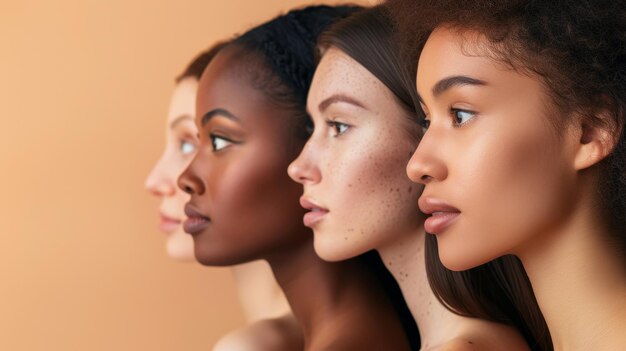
[(357, 175)]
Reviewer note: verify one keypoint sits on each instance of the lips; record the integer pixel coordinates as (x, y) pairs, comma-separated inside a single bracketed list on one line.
[(316, 213), (441, 214), (168, 224), (196, 222)]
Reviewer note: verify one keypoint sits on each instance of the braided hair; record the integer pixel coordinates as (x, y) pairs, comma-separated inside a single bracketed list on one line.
[(281, 55)]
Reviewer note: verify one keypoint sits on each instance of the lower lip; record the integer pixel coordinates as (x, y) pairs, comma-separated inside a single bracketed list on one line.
[(313, 217), (168, 226), (195, 225), (437, 223)]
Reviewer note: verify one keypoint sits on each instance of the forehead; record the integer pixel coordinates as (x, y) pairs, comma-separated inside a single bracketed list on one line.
[(450, 52), (338, 73), (228, 83), (183, 99)]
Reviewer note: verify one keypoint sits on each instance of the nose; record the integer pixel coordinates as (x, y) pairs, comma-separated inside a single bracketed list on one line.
[(304, 168), (159, 181), (189, 181), (427, 165)]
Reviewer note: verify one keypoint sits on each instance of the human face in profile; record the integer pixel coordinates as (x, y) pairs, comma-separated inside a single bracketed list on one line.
[(180, 147), (243, 205), (498, 175), (353, 166)]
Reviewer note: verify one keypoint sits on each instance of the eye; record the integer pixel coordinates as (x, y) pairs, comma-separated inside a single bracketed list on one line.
[(219, 142), (187, 147), (309, 127), (461, 116), (339, 127), (424, 123)]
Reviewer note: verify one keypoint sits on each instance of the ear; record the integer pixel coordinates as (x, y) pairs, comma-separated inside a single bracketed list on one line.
[(597, 140)]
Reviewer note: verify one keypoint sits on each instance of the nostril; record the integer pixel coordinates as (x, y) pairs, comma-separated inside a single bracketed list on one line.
[(425, 178), (188, 190)]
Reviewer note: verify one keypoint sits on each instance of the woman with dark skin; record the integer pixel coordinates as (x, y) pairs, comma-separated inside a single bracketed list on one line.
[(525, 149), (266, 311), (252, 123)]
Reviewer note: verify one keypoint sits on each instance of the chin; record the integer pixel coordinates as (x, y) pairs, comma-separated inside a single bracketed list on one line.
[(331, 251), (459, 259), (180, 247), (214, 256)]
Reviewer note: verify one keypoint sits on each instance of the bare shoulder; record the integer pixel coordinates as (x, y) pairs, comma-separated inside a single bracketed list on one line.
[(481, 342), (269, 334), (459, 345)]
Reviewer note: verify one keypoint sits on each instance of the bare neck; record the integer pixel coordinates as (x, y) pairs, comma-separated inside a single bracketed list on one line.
[(580, 284), (319, 291), (259, 295), (405, 260)]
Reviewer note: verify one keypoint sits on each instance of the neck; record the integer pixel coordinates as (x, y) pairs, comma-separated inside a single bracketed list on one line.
[(580, 284), (259, 295), (317, 291), (405, 260)]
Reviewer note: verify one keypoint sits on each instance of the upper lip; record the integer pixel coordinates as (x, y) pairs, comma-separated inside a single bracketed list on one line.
[(310, 205), (169, 218), (430, 205), (191, 212)]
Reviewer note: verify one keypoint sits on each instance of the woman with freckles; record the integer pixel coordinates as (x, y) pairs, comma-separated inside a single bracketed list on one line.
[(262, 301), (525, 150), (252, 122), (357, 192)]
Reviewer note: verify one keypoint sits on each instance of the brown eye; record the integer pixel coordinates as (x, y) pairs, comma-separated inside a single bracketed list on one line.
[(338, 127), (461, 116), (219, 142)]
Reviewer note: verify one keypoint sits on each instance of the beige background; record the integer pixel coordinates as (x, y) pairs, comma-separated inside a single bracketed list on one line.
[(84, 88)]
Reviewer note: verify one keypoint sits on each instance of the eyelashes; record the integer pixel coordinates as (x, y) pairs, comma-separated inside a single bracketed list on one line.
[(338, 127), (220, 142), (459, 118)]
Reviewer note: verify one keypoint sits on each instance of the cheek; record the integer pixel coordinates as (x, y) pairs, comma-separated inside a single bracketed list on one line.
[(374, 197), (256, 197), (511, 187)]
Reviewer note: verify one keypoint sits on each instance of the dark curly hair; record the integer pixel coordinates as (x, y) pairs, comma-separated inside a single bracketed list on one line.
[(576, 47), (196, 67), (498, 291)]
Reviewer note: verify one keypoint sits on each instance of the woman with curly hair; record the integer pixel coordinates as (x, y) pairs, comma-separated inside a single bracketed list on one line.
[(524, 151)]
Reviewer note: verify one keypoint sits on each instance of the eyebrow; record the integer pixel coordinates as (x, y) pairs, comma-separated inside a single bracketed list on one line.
[(217, 112), (453, 81), (179, 119), (337, 98)]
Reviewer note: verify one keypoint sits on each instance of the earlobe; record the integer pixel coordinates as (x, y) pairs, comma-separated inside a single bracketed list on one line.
[(596, 141)]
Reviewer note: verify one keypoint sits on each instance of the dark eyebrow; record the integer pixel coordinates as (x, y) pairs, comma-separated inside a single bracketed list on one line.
[(339, 98), (450, 82), (217, 112), (179, 119)]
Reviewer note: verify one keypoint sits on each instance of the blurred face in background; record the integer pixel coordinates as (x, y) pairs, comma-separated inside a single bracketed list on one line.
[(180, 147)]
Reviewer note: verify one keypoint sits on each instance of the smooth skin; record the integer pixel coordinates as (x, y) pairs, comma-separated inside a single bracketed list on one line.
[(520, 184), (263, 303)]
